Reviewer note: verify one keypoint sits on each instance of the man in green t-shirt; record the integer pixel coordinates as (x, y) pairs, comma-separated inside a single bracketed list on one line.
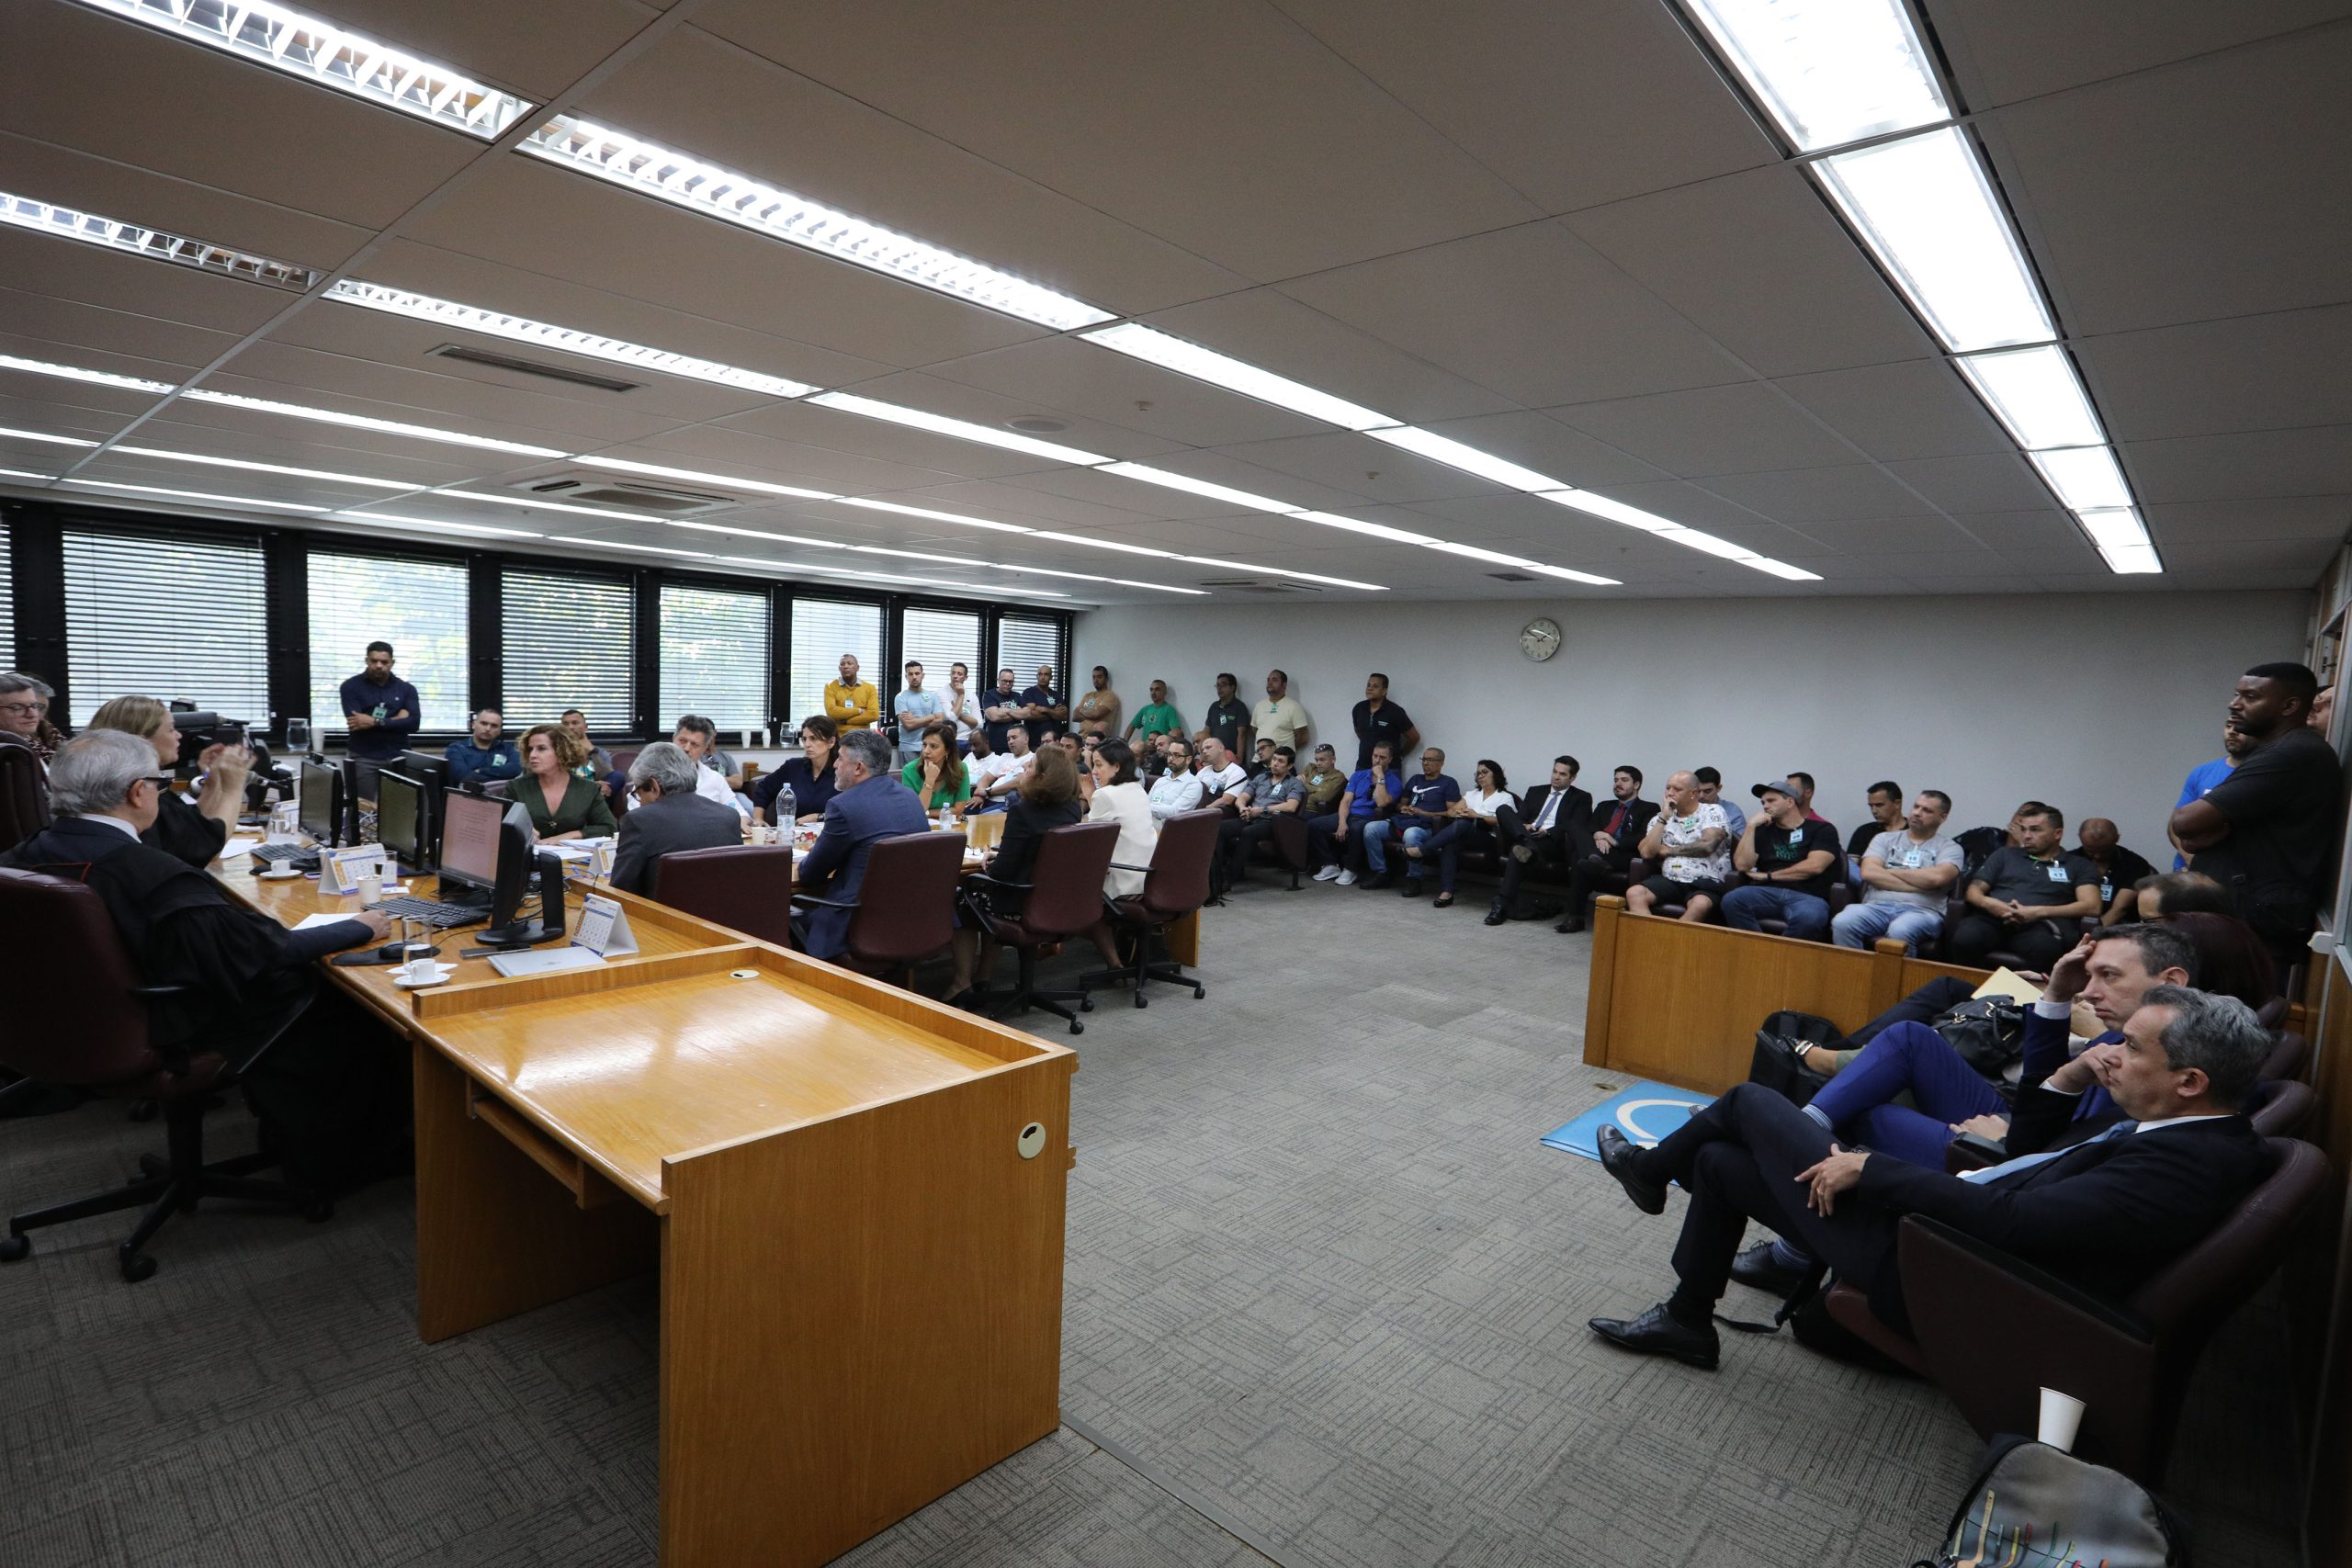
[(1156, 718)]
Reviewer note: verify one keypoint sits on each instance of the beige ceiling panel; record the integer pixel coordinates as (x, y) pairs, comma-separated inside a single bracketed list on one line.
[(125, 92), (532, 48), (2009, 530), (1504, 522), (1011, 503), (2305, 558), (2323, 517), (95, 338), (64, 411), (880, 461), (1682, 502), (212, 430), (2215, 188), (1111, 491), (1915, 408), (1989, 481), (2004, 50), (508, 410), (1083, 379), (2275, 372), (538, 217), (1574, 104), (1710, 430), (136, 287), (1546, 443), (1756, 260), (956, 400), (1219, 126), (737, 448), (2253, 465), (1529, 313), (719, 102), (163, 471), (1818, 495), (1915, 534), (887, 441), (1357, 466)]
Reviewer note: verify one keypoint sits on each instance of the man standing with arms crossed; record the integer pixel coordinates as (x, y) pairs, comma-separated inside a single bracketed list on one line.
[(381, 711)]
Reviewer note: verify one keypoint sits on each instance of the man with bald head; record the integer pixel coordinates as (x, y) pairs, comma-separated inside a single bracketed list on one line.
[(1690, 842), (2119, 870)]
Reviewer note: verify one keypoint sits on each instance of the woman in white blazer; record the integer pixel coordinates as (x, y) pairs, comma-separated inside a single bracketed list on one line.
[(1119, 797)]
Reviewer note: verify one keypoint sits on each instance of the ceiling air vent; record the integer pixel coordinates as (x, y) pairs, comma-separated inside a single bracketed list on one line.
[(1510, 577), (1256, 585), (497, 361), (1037, 425), (631, 495)]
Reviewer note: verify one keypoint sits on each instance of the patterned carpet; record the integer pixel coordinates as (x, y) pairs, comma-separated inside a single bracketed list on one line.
[(1326, 1306)]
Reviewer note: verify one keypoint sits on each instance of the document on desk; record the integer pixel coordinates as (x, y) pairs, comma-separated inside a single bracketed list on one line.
[(545, 962), (236, 848), (312, 922)]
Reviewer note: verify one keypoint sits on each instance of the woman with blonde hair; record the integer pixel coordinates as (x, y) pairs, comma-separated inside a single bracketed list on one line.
[(192, 830), (1047, 799), (562, 804)]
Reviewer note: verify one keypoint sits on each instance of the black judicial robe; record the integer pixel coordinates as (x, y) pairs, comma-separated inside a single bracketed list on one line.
[(183, 831)]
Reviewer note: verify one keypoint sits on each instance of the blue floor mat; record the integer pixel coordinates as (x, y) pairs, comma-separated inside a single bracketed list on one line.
[(1644, 1112)]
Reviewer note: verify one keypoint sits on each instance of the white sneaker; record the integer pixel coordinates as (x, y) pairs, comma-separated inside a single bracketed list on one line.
[(1347, 879), (1327, 873)]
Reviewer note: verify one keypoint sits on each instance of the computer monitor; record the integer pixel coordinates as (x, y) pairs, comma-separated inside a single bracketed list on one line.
[(321, 795), (403, 819), (470, 846)]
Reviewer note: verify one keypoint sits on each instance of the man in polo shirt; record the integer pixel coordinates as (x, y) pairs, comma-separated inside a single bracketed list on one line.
[(850, 702), (1786, 862), (1278, 720), (1002, 710), (484, 756), (1229, 717), (1043, 708), (1379, 721), (1421, 811), (2027, 896), (1322, 782), (1372, 793), (382, 712), (1158, 716), (916, 708), (1907, 878)]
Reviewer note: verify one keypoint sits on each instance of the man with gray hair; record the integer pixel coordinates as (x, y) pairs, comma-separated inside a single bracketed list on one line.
[(671, 812), (329, 1091), (698, 738), (872, 804)]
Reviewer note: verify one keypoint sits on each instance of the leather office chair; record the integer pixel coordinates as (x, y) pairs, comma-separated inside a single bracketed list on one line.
[(1841, 894), (23, 795), (85, 1025), (905, 910), (1992, 1331), (1289, 845), (2277, 1107), (745, 887), (1175, 884), (1955, 909), (1064, 899), (2286, 1058)]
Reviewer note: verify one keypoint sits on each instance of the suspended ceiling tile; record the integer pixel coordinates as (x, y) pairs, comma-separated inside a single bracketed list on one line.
[(1544, 442), (66, 415), (958, 400), (205, 429), (1492, 520), (533, 48), (1710, 430), (444, 393), (2074, 556), (875, 464), (2271, 372), (91, 337), (1073, 376), (138, 288), (2305, 558), (1817, 495), (1529, 312), (2007, 531), (1679, 501), (1356, 467), (1990, 481), (2325, 517), (887, 442), (1917, 408), (2005, 50), (1912, 534), (2255, 464), (1021, 503)]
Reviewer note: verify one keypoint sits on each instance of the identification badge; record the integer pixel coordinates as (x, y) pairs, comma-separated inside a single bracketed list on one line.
[(1914, 861), (2058, 874)]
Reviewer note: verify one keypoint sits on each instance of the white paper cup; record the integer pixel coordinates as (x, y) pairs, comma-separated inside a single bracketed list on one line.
[(2061, 1416), (371, 890)]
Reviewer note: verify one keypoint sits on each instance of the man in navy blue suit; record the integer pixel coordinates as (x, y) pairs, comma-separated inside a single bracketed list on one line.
[(872, 805)]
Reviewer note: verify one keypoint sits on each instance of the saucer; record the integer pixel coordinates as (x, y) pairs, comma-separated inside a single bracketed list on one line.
[(278, 873), (441, 972)]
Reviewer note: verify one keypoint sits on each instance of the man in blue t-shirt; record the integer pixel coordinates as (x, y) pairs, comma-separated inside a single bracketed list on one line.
[(485, 756), (2201, 778), (1042, 709), (1372, 793), (1421, 811), (380, 710)]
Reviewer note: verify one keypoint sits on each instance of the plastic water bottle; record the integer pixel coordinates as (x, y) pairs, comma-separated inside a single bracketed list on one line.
[(786, 810), (947, 818)]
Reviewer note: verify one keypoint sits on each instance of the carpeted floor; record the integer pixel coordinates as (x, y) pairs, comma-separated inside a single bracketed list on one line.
[(1326, 1305)]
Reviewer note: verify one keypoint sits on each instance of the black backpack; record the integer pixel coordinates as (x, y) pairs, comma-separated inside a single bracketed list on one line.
[(2036, 1507), (1775, 1064)]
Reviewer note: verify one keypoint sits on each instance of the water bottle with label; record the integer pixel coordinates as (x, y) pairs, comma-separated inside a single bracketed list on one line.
[(785, 811)]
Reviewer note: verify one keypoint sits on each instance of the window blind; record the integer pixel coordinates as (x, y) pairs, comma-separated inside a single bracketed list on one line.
[(169, 616), (417, 607), (939, 638), (8, 603), (714, 657), (571, 643), (823, 630), (1024, 642)]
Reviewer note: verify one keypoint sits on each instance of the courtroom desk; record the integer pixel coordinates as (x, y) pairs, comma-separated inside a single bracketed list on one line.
[(853, 1197)]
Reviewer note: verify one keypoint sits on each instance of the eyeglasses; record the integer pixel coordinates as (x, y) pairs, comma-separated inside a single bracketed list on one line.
[(34, 706)]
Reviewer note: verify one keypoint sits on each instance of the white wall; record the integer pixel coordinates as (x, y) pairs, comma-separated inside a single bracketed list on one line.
[(2098, 704)]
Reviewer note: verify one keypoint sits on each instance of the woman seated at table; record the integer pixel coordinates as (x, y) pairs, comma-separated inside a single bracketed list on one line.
[(1119, 797), (1047, 799), (1469, 824), (562, 804), (810, 774), (937, 774), (192, 830)]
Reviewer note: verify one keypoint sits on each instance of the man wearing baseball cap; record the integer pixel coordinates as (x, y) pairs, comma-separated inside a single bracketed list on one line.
[(1783, 865)]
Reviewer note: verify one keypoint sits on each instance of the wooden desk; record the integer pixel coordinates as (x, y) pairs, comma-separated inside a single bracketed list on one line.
[(853, 1197)]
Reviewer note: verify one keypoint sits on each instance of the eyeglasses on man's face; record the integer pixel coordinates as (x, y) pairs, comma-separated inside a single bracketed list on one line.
[(33, 704)]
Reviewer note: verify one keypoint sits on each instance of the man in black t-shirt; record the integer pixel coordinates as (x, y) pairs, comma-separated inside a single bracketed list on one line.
[(2119, 870), (1229, 717), (1381, 722), (1786, 861), (2028, 898), (2264, 831)]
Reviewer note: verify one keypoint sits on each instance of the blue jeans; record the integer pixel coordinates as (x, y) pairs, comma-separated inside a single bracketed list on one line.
[(1859, 1102), (1807, 915), (1447, 844), (1859, 925), (1377, 836)]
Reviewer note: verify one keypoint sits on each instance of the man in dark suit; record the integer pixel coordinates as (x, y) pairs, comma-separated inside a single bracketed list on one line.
[(1540, 834), (1615, 831), (2103, 1212), (669, 815), (872, 805)]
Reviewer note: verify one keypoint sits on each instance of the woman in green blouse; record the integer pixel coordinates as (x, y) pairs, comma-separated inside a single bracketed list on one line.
[(562, 805), (938, 776)]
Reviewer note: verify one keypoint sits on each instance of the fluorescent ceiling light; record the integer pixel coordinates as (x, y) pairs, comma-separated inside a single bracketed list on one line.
[(1469, 459), (1613, 510), (2132, 560), (962, 429), (1008, 566), (873, 505), (267, 468), (1278, 571), (195, 495), (1926, 210), (688, 181), (1373, 530), (2085, 477), (2114, 528), (75, 373), (1584, 576), (623, 544), (362, 422), (1708, 544), (480, 530), (1782, 569), (1521, 562), (1828, 72), (37, 436), (2035, 393), (755, 533), (1235, 374), (658, 472), (24, 474), (330, 55), (549, 505), (70, 223), (567, 339), (1197, 487), (806, 569), (1104, 544)]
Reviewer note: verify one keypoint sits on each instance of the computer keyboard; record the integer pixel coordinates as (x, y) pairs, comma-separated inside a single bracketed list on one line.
[(278, 854), (432, 912)]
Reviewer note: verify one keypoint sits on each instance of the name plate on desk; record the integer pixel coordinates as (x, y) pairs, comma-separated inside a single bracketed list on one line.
[(604, 928), (340, 869)]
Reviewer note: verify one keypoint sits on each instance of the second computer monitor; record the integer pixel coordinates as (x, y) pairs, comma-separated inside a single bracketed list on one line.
[(322, 803), (402, 813), (470, 835)]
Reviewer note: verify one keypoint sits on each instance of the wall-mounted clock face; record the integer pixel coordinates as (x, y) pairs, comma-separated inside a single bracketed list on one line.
[(1540, 638)]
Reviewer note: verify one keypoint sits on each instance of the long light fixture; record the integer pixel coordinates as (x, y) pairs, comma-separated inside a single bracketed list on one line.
[(871, 504), (1167, 480), (76, 373), (962, 429), (624, 545), (1612, 511), (332, 56), (2085, 477), (538, 505), (1223, 565), (24, 474), (1235, 374), (1034, 571), (698, 187), (363, 421), (1370, 530), (8, 433), (476, 530), (2130, 560), (566, 340), (1780, 568), (112, 234), (1925, 210), (2034, 393), (655, 470), (1828, 72), (1469, 459), (804, 568), (730, 528), (1497, 557), (265, 468), (195, 495), (2114, 528)]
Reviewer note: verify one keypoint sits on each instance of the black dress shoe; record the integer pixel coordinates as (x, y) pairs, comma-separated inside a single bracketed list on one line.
[(1495, 913), (1759, 1270), (1656, 1333), (1622, 1160), (1412, 888), (1569, 925)]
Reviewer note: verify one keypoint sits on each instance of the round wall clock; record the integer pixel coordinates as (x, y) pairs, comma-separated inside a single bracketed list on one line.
[(1540, 638)]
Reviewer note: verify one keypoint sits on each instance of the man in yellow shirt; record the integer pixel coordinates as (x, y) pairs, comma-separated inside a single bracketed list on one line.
[(850, 702)]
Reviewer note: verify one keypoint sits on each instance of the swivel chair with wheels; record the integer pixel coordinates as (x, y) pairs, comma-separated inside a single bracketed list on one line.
[(905, 908), (745, 887), (1175, 884), (1064, 897)]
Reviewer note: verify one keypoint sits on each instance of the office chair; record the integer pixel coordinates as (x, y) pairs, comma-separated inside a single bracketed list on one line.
[(1064, 897), (905, 908), (1175, 884), (745, 887), (23, 795)]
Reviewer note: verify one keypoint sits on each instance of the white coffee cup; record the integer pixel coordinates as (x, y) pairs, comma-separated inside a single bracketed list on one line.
[(371, 889), (2061, 1416)]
